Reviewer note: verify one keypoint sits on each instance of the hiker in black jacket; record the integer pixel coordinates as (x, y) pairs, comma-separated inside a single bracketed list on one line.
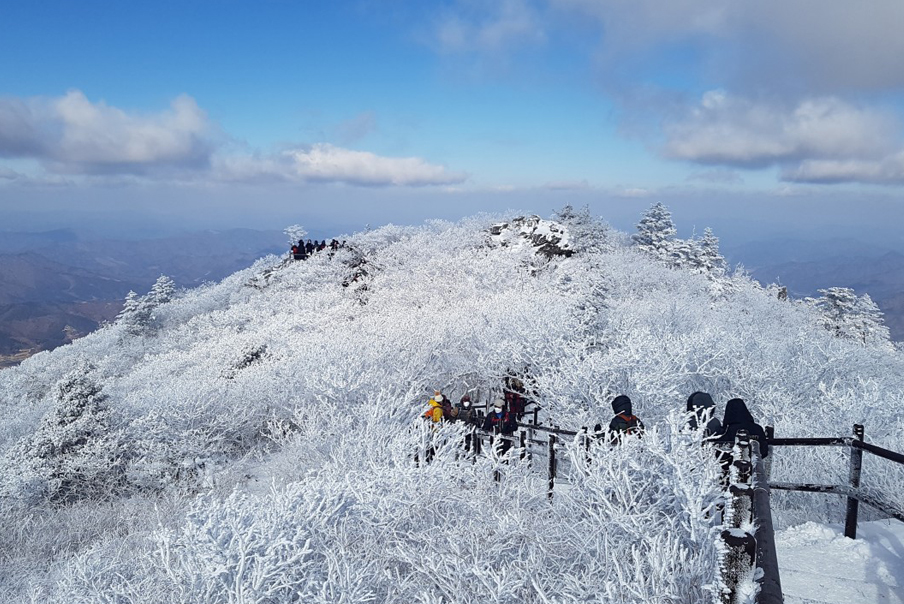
[(701, 408), (500, 422), (624, 422), (737, 417)]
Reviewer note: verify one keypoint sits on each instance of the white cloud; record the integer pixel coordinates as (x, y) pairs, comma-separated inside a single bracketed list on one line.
[(733, 131), (323, 162), (888, 170), (488, 26), (70, 134), (829, 44)]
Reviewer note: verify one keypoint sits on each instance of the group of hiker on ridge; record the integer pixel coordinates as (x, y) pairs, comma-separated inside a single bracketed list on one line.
[(507, 411), (301, 250)]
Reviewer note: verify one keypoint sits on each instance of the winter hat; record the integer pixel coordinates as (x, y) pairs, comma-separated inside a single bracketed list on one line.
[(699, 401), (621, 404), (437, 396), (499, 404)]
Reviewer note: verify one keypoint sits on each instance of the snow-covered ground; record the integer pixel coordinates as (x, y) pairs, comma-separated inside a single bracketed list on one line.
[(819, 564), (254, 440)]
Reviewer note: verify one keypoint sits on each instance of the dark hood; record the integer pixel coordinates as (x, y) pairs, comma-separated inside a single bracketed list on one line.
[(736, 412), (700, 400), (621, 404)]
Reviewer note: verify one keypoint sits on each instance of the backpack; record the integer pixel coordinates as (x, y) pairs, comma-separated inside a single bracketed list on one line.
[(632, 424), (428, 414)]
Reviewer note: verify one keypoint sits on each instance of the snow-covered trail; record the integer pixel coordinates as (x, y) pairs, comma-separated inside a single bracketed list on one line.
[(819, 564)]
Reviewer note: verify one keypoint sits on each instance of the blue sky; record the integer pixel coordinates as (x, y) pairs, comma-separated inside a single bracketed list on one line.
[(195, 114)]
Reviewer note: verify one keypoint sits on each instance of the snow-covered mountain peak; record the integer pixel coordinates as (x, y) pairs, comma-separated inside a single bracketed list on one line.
[(550, 238), (254, 440)]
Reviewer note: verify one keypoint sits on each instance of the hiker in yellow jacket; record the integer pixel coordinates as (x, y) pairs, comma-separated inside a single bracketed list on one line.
[(435, 412)]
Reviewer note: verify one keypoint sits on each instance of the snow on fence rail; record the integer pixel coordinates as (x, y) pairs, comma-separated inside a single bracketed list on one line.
[(852, 491)]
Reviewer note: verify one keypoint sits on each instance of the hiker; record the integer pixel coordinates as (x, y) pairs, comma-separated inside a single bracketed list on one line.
[(701, 409), (448, 410), (295, 255), (515, 404), (737, 417), (309, 247), (465, 412), (501, 422), (625, 422), (435, 411)]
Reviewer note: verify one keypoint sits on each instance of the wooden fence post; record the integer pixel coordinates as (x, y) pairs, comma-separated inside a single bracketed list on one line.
[(741, 545), (766, 558), (523, 443), (767, 463), (552, 464), (850, 517)]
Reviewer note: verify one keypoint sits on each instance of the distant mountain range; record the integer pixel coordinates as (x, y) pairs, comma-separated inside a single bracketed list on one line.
[(808, 266), (56, 286)]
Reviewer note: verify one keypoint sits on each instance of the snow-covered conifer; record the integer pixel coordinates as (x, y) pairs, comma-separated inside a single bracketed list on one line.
[(73, 453), (655, 231), (848, 315), (710, 259), (684, 253), (163, 291), (135, 315)]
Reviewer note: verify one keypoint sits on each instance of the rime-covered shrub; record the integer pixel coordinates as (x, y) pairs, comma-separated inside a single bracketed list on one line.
[(75, 452), (204, 412)]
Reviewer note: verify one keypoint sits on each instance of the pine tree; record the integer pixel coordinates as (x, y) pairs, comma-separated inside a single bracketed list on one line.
[(655, 231), (710, 259), (135, 315), (163, 290), (73, 450), (684, 253), (850, 316)]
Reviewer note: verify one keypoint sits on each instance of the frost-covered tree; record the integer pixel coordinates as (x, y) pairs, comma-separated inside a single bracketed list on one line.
[(74, 453), (848, 315), (135, 315), (655, 231), (138, 314), (587, 233), (163, 291), (684, 253), (710, 259), (295, 233)]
